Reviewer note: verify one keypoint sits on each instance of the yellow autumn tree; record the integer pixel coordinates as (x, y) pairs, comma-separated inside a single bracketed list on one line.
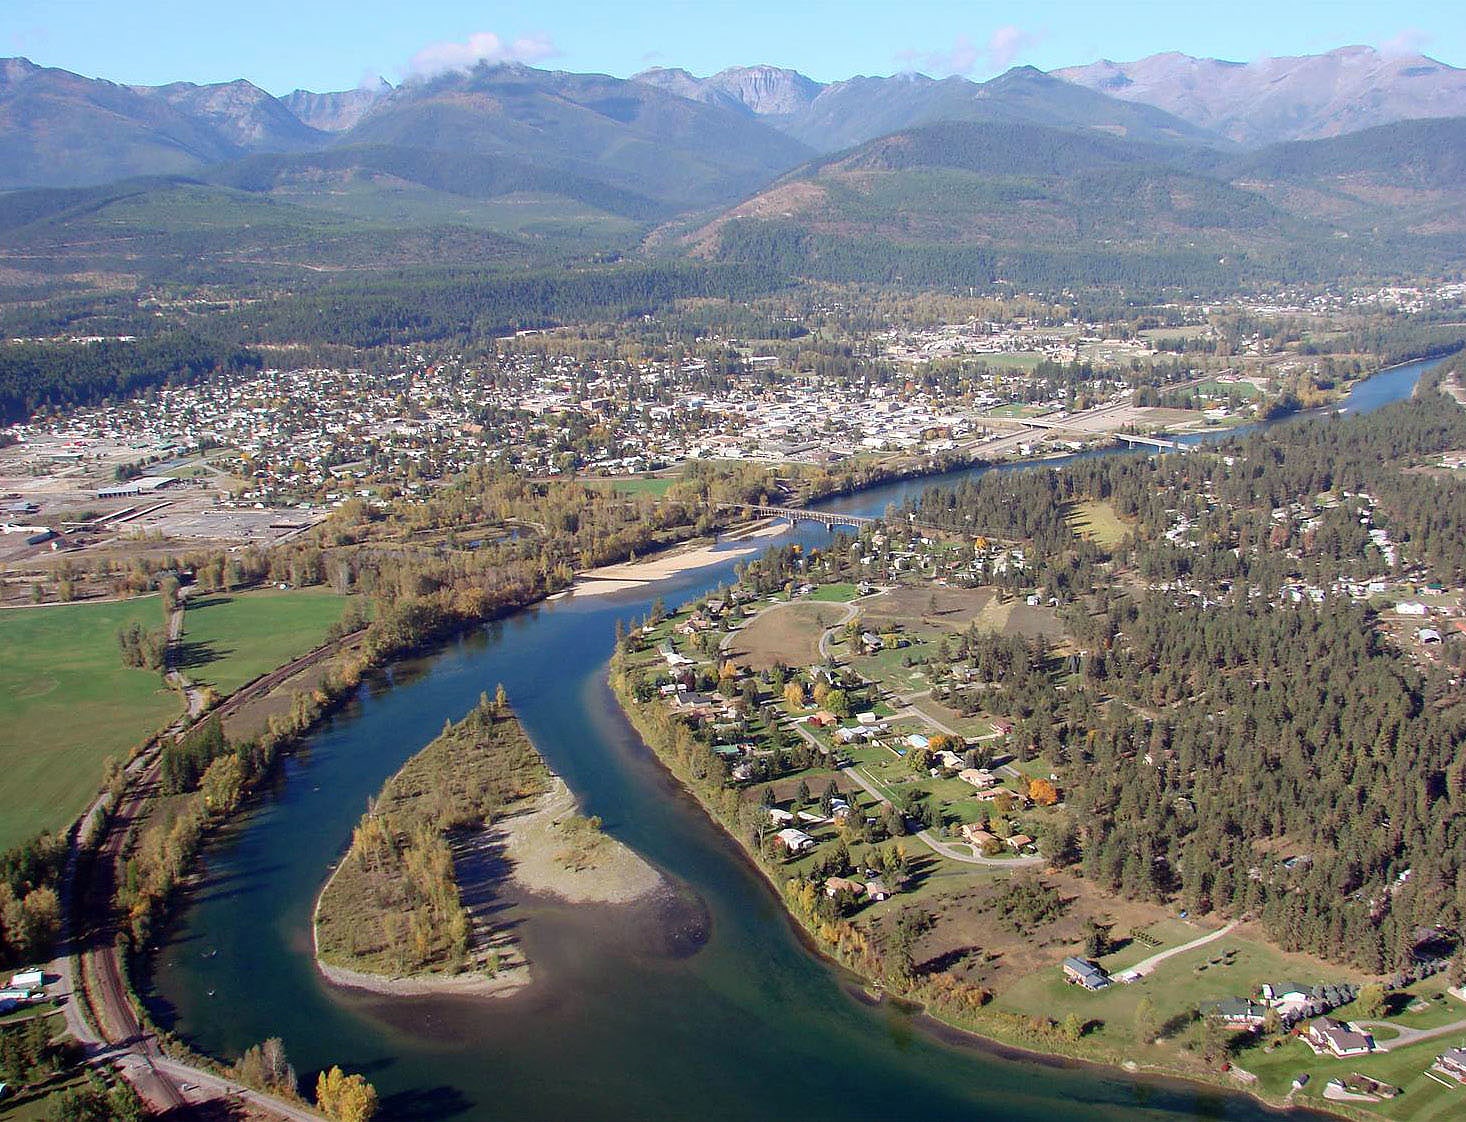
[(346, 1098), (1043, 792)]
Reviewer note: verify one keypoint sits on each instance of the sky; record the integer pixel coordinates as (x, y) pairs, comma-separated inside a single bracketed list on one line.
[(281, 45)]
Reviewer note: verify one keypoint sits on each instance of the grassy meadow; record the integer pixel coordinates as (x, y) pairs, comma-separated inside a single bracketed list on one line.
[(231, 638), (67, 703)]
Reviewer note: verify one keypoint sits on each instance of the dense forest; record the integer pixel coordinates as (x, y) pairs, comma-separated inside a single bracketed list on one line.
[(37, 376), (425, 305), (1237, 741)]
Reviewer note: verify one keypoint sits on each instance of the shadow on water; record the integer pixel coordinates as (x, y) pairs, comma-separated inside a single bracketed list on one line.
[(702, 1001)]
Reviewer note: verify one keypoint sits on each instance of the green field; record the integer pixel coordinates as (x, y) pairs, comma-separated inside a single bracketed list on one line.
[(68, 703), (1016, 360), (656, 486), (230, 639), (1099, 523), (841, 593), (1245, 390)]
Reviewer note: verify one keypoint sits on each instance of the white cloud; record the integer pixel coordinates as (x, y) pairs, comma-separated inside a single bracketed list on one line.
[(964, 56), (1410, 41), (481, 46), (1007, 43)]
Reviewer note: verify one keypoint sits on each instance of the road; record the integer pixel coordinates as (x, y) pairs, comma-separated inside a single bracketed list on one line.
[(1146, 965), (1409, 1035), (91, 985), (939, 847)]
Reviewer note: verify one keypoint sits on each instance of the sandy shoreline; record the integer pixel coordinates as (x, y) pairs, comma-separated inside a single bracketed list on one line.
[(615, 874), (673, 562), (532, 842), (508, 980)]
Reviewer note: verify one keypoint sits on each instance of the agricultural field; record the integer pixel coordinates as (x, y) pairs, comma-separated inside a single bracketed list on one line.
[(230, 639), (67, 705)]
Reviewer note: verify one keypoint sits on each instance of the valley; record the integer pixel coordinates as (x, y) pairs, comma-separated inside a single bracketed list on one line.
[(577, 578)]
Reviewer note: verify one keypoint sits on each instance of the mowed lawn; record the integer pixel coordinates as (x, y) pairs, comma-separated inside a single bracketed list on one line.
[(232, 638), (67, 703)]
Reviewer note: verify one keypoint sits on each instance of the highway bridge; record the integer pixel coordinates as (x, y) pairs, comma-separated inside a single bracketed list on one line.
[(800, 514), (1152, 442)]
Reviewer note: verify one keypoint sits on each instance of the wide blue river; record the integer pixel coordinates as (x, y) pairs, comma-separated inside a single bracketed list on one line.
[(714, 1010)]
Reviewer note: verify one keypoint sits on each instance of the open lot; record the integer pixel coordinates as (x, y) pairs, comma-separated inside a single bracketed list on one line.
[(228, 639), (952, 608), (67, 703), (785, 634), (1098, 522)]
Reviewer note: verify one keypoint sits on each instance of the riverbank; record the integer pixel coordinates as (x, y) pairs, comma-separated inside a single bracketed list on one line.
[(954, 1016), (673, 561)]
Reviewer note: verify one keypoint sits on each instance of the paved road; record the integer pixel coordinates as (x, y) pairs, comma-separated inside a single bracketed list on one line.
[(943, 848), (1146, 965), (1409, 1035)]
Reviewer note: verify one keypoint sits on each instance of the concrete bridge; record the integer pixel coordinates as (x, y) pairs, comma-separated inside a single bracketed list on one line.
[(1152, 442)]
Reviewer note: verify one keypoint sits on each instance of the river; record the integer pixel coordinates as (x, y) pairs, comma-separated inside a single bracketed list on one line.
[(719, 1011)]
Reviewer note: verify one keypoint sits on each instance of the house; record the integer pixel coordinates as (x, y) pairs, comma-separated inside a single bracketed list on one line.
[(1082, 972), (1411, 608), (1238, 1012), (780, 817), (1338, 1039), (1428, 635), (975, 835), (824, 719), (1452, 1062), (918, 742), (979, 777), (867, 719), (1020, 842), (876, 890), (836, 885), (795, 841)]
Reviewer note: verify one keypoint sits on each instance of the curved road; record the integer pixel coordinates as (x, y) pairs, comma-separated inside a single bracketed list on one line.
[(1146, 965)]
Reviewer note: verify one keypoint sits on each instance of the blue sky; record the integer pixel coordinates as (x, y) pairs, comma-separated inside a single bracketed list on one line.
[(334, 44)]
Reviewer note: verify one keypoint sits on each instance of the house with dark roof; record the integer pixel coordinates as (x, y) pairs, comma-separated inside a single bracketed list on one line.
[(1082, 972), (1338, 1039), (1238, 1012)]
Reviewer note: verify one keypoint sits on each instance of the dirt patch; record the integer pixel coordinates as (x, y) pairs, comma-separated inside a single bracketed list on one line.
[(973, 943), (951, 608), (788, 634), (1032, 622)]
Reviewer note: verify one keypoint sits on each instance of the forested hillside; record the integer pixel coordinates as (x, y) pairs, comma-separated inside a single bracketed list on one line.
[(1237, 734)]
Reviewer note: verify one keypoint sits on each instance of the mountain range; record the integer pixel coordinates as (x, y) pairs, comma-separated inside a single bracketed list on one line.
[(1168, 155)]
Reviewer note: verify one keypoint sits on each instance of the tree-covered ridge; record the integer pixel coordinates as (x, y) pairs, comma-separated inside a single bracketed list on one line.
[(65, 375), (1237, 732), (393, 905)]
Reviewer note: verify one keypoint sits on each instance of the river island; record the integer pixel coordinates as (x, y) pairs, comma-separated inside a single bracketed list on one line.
[(411, 908)]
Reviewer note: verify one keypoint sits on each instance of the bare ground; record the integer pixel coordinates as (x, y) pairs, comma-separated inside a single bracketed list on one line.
[(608, 873), (788, 634)]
